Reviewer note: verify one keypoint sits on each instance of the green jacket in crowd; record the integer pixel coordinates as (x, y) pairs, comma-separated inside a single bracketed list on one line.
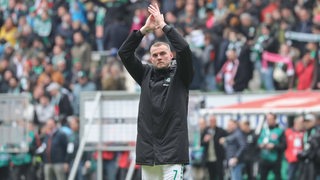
[(273, 135)]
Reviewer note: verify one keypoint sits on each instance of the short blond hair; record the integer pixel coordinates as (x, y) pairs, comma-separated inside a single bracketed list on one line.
[(160, 43)]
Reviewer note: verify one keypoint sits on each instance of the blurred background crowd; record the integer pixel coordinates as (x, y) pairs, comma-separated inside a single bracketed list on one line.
[(52, 50), (271, 151)]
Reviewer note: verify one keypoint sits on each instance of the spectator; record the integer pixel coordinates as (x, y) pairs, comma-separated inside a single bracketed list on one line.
[(81, 51), (207, 58), (31, 16), (37, 46), (214, 151), (64, 29), (43, 27), (62, 42), (5, 85), (14, 86), (22, 162), (229, 71), (73, 146), (58, 55), (83, 84), (302, 25), (250, 154), (188, 19), (115, 34), (44, 110), (83, 29), (77, 11), (271, 143), (283, 73), (55, 154), (57, 18), (60, 101), (109, 164), (18, 63), (37, 92), (304, 71), (294, 146), (138, 18), (66, 73), (53, 74), (112, 77), (264, 42), (8, 32), (124, 161), (197, 155), (308, 156), (247, 28), (99, 31), (245, 69), (220, 12), (235, 145)]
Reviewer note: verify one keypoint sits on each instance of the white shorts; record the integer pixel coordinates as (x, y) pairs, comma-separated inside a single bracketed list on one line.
[(162, 172)]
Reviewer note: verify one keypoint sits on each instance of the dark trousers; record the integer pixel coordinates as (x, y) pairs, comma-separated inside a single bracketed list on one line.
[(265, 167), (249, 170), (292, 170), (22, 172), (215, 170), (4, 173)]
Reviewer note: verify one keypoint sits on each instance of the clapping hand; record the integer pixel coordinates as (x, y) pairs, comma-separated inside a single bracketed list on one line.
[(154, 21), (158, 17)]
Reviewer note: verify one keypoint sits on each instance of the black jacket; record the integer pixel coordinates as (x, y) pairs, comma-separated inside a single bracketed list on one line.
[(162, 120), (56, 148), (218, 148)]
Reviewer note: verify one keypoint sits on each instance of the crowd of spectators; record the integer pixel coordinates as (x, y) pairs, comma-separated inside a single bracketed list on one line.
[(237, 45), (239, 152), (46, 52)]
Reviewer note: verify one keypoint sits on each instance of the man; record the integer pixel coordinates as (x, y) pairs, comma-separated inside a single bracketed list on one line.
[(162, 140), (235, 145), (213, 150), (73, 145), (22, 162), (310, 156), (60, 101), (271, 143), (294, 146), (251, 152), (81, 51), (43, 110), (228, 71), (55, 152), (83, 84)]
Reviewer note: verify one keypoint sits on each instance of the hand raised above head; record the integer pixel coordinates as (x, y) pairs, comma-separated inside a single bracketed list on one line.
[(149, 26), (158, 17)]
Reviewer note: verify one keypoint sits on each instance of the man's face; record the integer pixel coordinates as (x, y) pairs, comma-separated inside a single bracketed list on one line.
[(213, 122), (161, 56), (271, 120)]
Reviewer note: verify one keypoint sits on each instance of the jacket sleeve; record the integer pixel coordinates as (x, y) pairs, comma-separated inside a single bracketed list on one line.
[(282, 144), (242, 144), (128, 58), (183, 56)]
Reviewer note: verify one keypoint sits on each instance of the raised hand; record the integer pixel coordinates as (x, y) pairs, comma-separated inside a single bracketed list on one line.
[(149, 26), (154, 21), (158, 17)]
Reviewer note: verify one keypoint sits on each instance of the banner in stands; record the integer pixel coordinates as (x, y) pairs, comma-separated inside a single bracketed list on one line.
[(287, 103)]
